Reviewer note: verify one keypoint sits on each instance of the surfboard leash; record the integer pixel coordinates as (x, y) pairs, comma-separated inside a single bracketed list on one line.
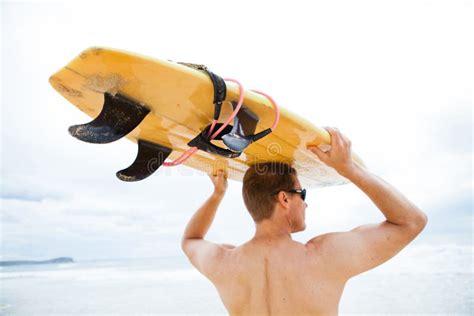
[(208, 132)]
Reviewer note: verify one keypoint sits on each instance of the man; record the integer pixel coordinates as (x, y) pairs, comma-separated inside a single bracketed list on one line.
[(274, 275)]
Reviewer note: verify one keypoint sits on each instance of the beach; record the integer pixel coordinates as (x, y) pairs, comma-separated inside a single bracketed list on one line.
[(424, 280)]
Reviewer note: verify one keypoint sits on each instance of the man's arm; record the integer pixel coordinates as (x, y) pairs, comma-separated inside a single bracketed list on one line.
[(368, 246), (205, 255)]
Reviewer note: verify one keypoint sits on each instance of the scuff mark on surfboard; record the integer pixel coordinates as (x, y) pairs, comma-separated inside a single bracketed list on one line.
[(93, 50), (128, 178), (65, 89), (110, 83), (70, 91), (82, 131)]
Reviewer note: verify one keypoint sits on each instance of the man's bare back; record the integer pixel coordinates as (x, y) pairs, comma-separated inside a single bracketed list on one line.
[(278, 277), (274, 275)]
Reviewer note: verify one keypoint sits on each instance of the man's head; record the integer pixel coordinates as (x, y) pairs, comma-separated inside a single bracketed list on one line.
[(266, 191)]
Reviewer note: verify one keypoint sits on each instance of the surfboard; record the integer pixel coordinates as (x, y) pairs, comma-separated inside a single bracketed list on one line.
[(171, 103)]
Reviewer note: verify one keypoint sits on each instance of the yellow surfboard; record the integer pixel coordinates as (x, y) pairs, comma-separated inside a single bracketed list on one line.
[(172, 104)]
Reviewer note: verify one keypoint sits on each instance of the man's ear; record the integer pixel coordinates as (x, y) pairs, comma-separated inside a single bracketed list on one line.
[(283, 198)]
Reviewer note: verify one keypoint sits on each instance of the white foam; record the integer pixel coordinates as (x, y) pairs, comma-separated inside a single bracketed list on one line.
[(106, 274), (444, 259)]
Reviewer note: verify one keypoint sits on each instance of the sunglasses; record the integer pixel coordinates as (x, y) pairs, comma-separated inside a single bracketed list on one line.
[(301, 192)]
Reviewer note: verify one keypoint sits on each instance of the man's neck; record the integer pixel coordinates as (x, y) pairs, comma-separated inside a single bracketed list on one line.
[(268, 229)]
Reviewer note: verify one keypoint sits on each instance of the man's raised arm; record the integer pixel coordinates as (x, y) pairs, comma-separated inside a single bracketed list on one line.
[(394, 205), (368, 246), (204, 255)]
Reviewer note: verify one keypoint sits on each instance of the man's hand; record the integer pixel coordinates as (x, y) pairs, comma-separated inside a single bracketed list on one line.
[(220, 182), (339, 156)]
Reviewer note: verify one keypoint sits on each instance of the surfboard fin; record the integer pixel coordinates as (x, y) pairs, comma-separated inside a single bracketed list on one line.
[(203, 142), (119, 116), (149, 158), (245, 123)]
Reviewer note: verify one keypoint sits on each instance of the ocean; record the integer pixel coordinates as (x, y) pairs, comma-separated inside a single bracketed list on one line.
[(420, 280)]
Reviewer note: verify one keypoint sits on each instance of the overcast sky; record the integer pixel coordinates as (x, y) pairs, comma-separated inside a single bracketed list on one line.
[(395, 77)]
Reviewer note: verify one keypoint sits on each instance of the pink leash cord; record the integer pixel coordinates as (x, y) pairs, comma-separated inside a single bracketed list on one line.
[(184, 156)]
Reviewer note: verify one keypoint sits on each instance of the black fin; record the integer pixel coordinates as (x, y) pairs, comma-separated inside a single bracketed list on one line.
[(119, 116), (149, 158), (203, 142), (247, 120), (245, 123)]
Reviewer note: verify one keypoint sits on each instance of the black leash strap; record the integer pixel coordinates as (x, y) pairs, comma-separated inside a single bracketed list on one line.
[(220, 89)]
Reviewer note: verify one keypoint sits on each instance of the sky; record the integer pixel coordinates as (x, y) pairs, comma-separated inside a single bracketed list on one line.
[(395, 77)]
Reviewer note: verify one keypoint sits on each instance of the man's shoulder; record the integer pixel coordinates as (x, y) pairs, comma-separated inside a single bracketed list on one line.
[(228, 246), (321, 240)]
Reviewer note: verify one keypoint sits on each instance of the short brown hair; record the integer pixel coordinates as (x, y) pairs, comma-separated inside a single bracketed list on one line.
[(262, 180)]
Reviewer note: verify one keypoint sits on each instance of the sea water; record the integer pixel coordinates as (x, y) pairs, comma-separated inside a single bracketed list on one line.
[(420, 280)]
